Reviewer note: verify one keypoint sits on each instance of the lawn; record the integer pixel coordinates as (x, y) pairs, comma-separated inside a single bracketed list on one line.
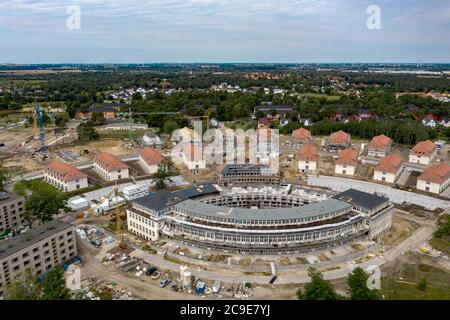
[(403, 285), (23, 187)]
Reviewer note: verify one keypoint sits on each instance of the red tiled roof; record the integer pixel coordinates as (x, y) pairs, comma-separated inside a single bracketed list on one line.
[(348, 157), (424, 148), (192, 152), (380, 142), (438, 173), (64, 171), (264, 121), (301, 134), (339, 137), (151, 156), (390, 164), (109, 162), (308, 152)]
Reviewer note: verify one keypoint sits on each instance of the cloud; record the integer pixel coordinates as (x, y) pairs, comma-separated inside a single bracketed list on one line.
[(224, 30)]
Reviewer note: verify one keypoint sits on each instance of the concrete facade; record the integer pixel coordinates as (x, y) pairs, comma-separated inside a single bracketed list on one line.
[(39, 249), (11, 211)]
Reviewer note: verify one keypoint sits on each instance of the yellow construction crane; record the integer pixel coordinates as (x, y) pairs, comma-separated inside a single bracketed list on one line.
[(120, 237)]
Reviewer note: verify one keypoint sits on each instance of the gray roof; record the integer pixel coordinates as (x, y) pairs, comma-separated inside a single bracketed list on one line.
[(315, 209), (197, 191), (361, 199), (30, 237), (242, 169), (6, 197), (158, 201)]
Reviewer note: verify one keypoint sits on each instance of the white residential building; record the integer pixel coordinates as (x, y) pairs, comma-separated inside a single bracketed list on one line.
[(149, 159), (346, 162), (110, 167), (388, 169), (307, 159), (435, 179), (64, 176), (423, 153)]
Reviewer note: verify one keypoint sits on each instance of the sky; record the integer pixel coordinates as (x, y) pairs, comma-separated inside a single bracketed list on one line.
[(149, 31)]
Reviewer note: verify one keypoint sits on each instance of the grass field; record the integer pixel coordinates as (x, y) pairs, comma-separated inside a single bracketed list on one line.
[(442, 245), (404, 284)]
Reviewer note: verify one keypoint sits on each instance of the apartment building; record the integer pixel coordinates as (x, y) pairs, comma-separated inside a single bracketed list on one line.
[(379, 146), (435, 179), (149, 159), (388, 169), (300, 137), (64, 176), (39, 249), (423, 153), (307, 158), (339, 141), (110, 167), (11, 211), (346, 162)]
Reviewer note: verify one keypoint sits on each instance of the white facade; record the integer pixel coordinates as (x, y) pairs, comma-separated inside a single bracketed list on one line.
[(386, 176), (344, 169), (68, 186), (148, 168), (135, 191), (425, 160), (113, 174), (307, 166), (142, 226), (432, 186)]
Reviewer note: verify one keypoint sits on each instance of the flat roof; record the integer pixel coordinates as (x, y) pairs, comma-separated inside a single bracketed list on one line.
[(158, 201), (315, 209), (7, 196), (198, 191), (234, 169), (360, 198), (24, 240)]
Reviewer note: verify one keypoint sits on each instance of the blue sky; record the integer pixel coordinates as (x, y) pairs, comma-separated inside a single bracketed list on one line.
[(134, 31)]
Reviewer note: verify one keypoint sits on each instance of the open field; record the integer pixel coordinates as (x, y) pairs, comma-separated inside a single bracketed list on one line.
[(442, 245), (38, 72), (403, 284)]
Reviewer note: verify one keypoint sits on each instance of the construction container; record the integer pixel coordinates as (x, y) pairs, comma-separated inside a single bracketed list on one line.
[(77, 203), (135, 191)]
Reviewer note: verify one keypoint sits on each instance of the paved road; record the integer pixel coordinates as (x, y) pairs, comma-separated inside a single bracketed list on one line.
[(394, 195)]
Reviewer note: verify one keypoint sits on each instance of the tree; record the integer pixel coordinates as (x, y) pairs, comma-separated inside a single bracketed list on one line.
[(26, 287), (54, 285), (4, 175), (318, 288), (61, 120), (443, 223), (86, 132), (168, 164), (162, 176), (42, 205), (357, 282), (422, 285), (98, 118)]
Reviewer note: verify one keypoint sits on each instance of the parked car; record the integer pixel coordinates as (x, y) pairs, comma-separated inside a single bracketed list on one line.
[(150, 271), (174, 288), (156, 275), (163, 283), (96, 243)]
